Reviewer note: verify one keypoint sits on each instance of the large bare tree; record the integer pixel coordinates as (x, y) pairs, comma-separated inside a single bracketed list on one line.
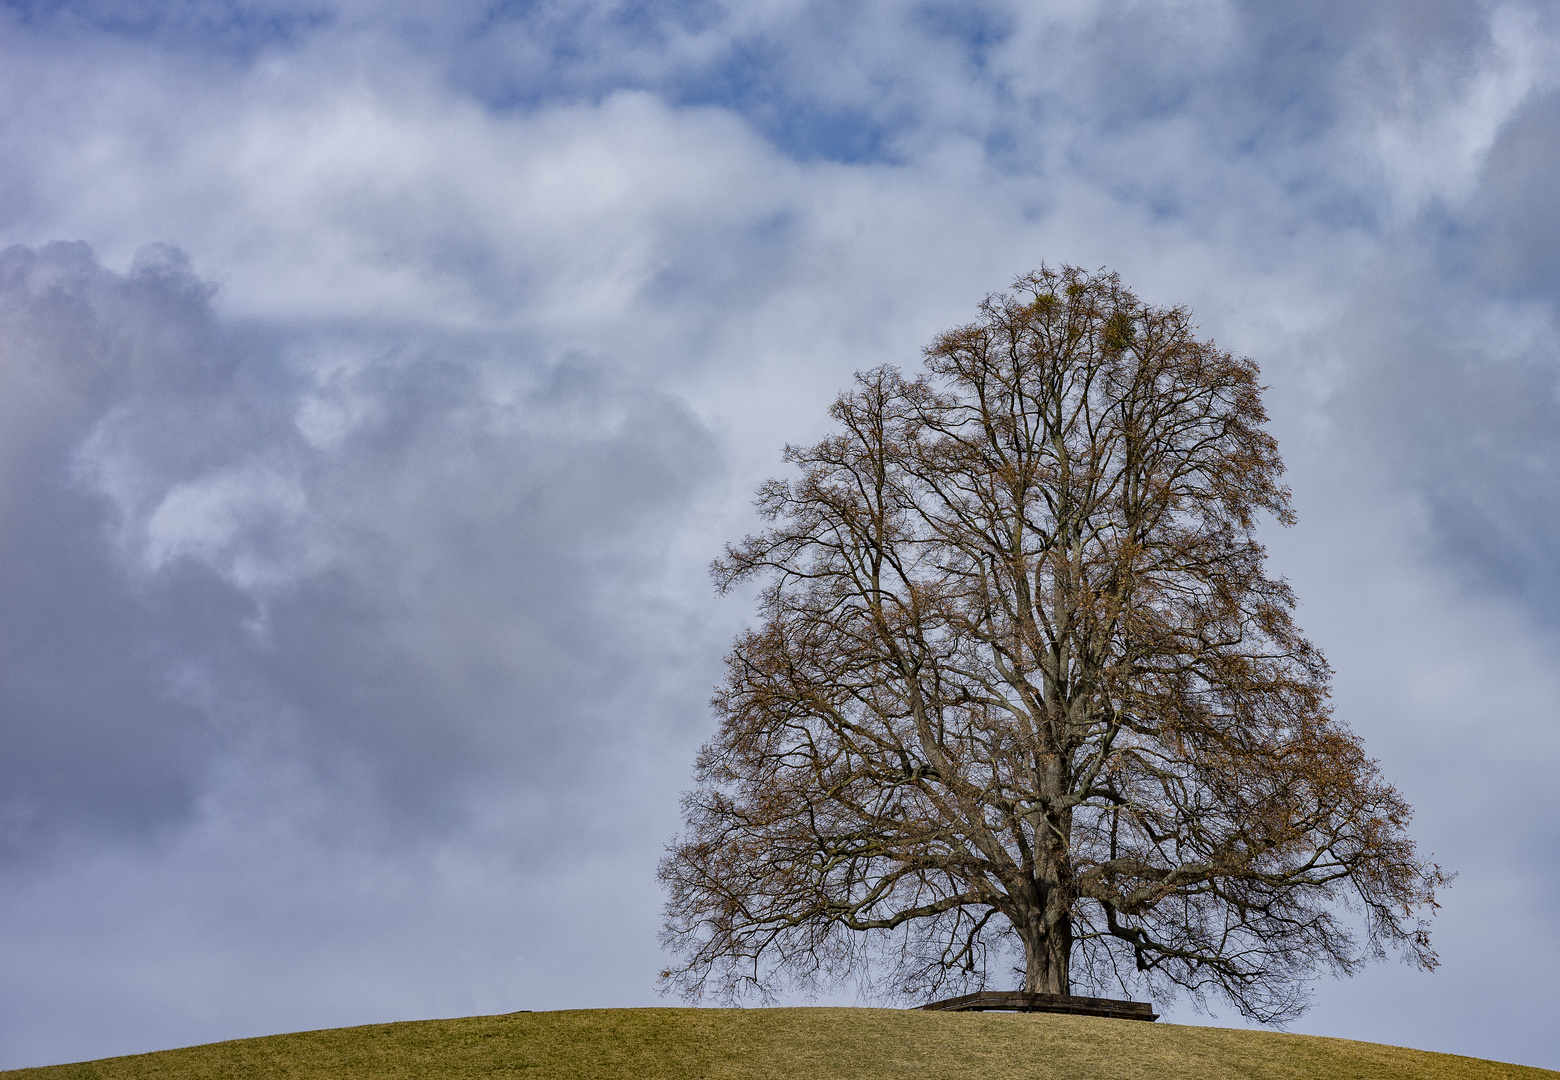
[(1023, 693)]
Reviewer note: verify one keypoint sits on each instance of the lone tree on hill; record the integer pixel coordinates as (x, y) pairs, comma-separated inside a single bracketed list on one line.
[(1023, 688)]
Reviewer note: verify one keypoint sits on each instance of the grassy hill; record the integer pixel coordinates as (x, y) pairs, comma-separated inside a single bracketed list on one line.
[(786, 1044)]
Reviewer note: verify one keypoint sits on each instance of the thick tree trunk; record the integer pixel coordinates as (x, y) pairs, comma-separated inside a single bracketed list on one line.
[(1048, 936), (1048, 950)]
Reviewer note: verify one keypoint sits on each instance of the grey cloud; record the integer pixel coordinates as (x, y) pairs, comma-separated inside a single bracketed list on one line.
[(401, 564), (1453, 355), (91, 737), (1450, 396), (1514, 216), (1480, 437), (336, 663)]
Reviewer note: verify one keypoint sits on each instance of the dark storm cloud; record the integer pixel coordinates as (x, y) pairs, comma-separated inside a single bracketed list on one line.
[(402, 564)]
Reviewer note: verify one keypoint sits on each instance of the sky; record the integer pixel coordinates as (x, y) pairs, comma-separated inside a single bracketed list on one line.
[(378, 380)]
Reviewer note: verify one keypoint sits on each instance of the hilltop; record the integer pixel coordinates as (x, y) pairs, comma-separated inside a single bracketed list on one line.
[(786, 1044)]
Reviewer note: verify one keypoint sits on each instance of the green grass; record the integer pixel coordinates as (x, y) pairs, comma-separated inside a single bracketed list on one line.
[(786, 1044)]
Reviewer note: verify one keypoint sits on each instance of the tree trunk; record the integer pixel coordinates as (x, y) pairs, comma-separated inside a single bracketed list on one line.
[(1047, 936), (1048, 948)]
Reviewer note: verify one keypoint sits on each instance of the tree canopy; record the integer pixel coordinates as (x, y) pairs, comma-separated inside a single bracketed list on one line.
[(1023, 697)]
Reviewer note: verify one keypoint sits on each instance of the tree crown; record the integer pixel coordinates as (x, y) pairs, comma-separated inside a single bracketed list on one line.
[(1023, 688)]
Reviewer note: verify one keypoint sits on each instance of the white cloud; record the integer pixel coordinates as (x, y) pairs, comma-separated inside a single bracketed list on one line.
[(216, 517), (1433, 139)]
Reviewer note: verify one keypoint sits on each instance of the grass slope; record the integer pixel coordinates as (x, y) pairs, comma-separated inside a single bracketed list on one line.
[(787, 1044)]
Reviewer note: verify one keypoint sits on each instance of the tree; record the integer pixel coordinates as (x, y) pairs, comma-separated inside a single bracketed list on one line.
[(1023, 689)]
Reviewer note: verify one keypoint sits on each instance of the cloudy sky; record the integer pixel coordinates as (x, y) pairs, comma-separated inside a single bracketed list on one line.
[(377, 381)]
